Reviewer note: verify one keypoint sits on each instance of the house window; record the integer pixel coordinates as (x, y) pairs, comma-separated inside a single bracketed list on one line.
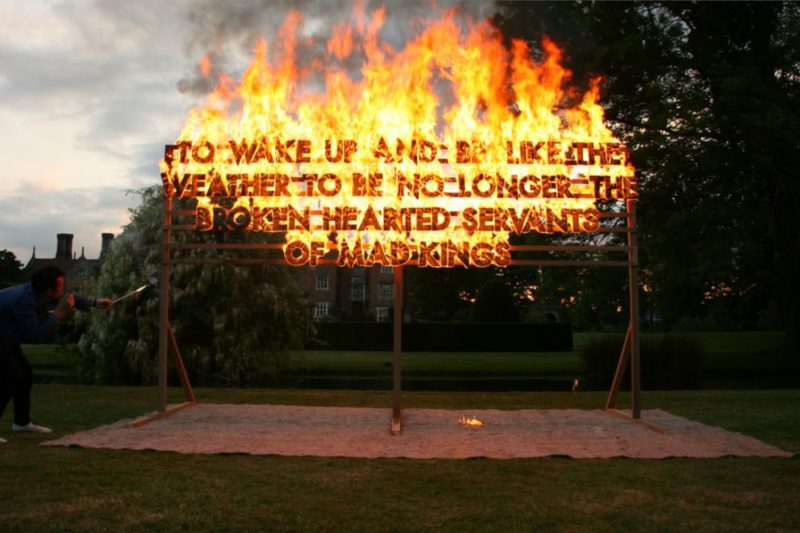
[(358, 293), (320, 309), (381, 314), (386, 269), (386, 291), (322, 282)]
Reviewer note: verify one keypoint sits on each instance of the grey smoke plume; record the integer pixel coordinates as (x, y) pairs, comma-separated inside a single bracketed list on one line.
[(227, 31)]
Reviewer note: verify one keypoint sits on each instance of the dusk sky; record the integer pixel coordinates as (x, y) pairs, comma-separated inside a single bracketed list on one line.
[(92, 90), (87, 96)]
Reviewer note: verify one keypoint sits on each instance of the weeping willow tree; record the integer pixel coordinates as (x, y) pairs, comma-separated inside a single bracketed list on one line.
[(235, 325)]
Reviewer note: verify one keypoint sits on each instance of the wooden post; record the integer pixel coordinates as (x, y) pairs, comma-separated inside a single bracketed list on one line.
[(163, 315), (397, 347), (633, 288)]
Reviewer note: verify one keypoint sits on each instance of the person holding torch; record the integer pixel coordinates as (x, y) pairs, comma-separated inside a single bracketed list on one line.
[(26, 317)]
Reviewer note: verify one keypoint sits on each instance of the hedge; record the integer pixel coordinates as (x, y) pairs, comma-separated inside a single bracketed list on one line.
[(448, 336), (668, 363)]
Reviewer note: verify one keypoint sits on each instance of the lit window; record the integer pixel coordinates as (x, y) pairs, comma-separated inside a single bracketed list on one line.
[(386, 291), (322, 282), (358, 293), (321, 310), (381, 314)]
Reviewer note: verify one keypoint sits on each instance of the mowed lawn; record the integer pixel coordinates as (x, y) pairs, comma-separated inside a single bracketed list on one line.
[(75, 489), (730, 360)]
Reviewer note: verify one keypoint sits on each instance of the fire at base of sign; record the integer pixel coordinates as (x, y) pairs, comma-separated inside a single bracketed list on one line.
[(470, 422)]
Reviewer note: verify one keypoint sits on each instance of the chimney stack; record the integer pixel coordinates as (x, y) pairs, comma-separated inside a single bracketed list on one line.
[(106, 242), (64, 246)]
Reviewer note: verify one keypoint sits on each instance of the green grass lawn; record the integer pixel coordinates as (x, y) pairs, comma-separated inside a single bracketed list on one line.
[(442, 371), (730, 360), (77, 489)]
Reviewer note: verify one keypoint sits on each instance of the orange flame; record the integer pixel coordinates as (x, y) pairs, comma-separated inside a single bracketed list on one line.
[(205, 66), (471, 422), (452, 140)]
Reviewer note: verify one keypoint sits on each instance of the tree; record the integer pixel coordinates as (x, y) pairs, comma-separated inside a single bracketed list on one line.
[(444, 294), (10, 269), (234, 325), (495, 303), (706, 95)]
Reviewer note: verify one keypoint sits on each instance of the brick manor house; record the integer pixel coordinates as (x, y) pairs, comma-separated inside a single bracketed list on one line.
[(347, 293), (79, 270)]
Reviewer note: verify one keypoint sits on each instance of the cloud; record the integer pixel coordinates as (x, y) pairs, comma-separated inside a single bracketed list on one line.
[(87, 90), (113, 72), (32, 217)]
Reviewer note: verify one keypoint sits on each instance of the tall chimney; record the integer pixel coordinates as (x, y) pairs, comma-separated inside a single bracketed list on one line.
[(106, 242), (64, 247)]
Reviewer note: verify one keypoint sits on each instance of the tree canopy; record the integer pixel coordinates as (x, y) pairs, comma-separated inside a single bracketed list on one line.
[(10, 269), (234, 325), (706, 96)]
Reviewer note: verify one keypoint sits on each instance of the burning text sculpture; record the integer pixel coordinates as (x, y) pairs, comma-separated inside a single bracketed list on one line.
[(434, 156)]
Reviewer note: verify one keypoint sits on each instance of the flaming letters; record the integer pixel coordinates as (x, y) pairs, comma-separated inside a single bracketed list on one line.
[(397, 167)]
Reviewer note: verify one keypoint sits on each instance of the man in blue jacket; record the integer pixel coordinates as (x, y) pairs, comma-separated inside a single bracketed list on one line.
[(26, 317)]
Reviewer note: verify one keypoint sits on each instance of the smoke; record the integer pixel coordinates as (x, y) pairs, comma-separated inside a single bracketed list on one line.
[(226, 33)]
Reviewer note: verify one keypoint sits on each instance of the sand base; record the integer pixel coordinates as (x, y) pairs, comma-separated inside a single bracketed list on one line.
[(426, 434)]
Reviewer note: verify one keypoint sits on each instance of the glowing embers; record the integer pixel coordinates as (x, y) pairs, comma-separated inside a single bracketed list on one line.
[(471, 422)]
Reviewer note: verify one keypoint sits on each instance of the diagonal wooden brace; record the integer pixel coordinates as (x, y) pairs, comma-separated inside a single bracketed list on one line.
[(622, 366), (183, 376), (180, 368)]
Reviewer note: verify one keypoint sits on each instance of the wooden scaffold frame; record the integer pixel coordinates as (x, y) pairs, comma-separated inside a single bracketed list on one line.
[(629, 355)]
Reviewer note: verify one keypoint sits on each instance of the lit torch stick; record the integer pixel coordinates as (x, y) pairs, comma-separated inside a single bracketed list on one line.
[(140, 289)]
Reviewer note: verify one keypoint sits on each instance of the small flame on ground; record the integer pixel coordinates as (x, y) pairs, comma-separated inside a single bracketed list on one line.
[(470, 422)]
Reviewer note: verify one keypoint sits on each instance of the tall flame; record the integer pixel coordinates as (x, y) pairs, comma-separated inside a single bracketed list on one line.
[(452, 104)]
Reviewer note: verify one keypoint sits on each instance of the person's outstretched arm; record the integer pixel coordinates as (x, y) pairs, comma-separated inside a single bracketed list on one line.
[(85, 304)]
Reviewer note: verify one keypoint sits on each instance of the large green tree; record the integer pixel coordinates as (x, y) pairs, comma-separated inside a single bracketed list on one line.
[(10, 268), (706, 95), (234, 325)]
